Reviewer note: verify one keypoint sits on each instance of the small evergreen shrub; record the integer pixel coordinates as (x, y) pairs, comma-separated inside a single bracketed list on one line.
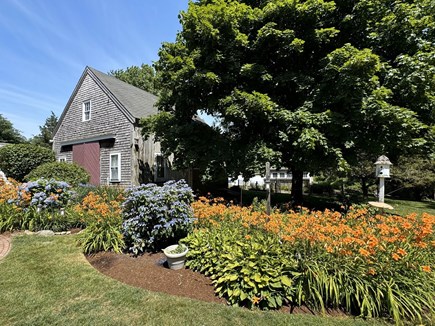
[(155, 217), (17, 160), (71, 173)]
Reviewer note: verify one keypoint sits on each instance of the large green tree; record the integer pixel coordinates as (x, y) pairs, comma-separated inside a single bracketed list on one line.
[(143, 77), (8, 134), (303, 84), (46, 132)]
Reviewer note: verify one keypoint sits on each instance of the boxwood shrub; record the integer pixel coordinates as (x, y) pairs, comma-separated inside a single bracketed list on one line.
[(71, 173)]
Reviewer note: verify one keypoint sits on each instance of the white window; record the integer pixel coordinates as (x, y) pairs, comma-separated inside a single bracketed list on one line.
[(86, 111), (282, 175), (274, 175), (115, 167), (61, 159)]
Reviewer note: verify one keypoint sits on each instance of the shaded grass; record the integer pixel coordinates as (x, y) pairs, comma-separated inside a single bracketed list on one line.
[(318, 202), (47, 281)]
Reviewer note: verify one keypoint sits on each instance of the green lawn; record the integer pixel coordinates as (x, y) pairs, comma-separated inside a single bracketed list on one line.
[(47, 281), (404, 207), (401, 207)]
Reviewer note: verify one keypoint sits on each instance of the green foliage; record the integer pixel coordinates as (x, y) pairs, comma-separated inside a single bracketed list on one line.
[(264, 261), (102, 235), (14, 218), (102, 218), (308, 85), (246, 269), (16, 161), (36, 205), (414, 177), (8, 134), (143, 77), (46, 132), (71, 173)]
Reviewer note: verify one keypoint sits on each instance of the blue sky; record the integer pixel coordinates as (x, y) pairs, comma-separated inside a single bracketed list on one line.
[(46, 44)]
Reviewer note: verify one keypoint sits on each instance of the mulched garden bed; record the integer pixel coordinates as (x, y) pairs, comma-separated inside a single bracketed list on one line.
[(150, 272)]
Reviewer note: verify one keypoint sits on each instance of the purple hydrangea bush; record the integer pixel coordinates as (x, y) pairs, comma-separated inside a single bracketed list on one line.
[(155, 217)]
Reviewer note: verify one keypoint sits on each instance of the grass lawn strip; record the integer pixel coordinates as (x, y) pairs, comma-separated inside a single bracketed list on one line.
[(47, 281)]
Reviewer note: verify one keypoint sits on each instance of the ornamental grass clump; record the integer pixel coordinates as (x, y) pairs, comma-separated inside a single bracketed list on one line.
[(371, 265), (155, 217)]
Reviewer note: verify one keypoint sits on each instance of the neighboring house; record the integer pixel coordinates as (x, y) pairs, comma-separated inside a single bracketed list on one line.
[(280, 179), (99, 130)]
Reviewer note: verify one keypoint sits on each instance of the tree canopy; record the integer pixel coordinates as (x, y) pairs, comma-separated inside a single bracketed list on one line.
[(8, 134), (303, 84), (46, 132), (143, 77)]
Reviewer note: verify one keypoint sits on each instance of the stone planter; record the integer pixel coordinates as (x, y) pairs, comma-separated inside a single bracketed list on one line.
[(175, 260)]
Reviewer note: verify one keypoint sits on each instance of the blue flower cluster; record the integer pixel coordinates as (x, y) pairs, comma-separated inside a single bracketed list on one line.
[(44, 193), (155, 216)]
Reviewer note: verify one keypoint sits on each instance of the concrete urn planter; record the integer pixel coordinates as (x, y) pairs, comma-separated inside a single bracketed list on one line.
[(174, 257)]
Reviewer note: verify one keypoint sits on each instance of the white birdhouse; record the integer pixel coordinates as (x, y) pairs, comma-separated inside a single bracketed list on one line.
[(383, 167)]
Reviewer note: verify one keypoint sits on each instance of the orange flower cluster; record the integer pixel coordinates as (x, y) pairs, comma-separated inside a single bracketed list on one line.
[(98, 206), (8, 191), (355, 234)]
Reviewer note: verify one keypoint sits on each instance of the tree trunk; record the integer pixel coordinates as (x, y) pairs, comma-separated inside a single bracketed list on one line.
[(297, 184), (364, 188)]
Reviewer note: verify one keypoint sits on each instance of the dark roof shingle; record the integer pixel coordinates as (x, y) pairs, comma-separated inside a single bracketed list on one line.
[(137, 101)]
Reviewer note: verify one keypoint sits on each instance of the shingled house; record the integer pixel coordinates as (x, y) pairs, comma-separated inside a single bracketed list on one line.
[(99, 130)]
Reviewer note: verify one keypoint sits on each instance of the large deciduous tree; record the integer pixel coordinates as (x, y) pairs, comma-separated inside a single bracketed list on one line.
[(303, 84), (8, 134)]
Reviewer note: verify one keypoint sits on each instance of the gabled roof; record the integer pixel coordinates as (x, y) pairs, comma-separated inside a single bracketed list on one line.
[(137, 101), (134, 102)]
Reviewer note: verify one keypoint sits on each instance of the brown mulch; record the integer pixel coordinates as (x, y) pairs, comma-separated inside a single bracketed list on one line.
[(150, 272)]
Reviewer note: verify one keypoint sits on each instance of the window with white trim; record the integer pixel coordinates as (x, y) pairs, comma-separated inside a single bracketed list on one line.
[(86, 111), (115, 167)]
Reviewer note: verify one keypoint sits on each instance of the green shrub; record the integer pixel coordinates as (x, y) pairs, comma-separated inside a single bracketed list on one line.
[(17, 160), (69, 172)]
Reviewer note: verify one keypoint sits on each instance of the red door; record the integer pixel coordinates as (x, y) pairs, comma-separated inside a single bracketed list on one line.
[(88, 156)]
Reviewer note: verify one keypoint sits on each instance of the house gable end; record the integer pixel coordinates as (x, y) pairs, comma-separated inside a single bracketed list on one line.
[(88, 72)]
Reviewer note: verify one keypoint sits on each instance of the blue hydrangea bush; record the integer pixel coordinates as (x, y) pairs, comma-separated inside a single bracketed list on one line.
[(44, 194), (155, 217)]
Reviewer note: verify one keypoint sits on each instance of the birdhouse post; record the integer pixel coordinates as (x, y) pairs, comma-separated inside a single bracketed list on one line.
[(267, 182), (382, 171)]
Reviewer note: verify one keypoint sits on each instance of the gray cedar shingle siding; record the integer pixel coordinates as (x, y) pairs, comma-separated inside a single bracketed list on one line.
[(106, 118), (116, 109)]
